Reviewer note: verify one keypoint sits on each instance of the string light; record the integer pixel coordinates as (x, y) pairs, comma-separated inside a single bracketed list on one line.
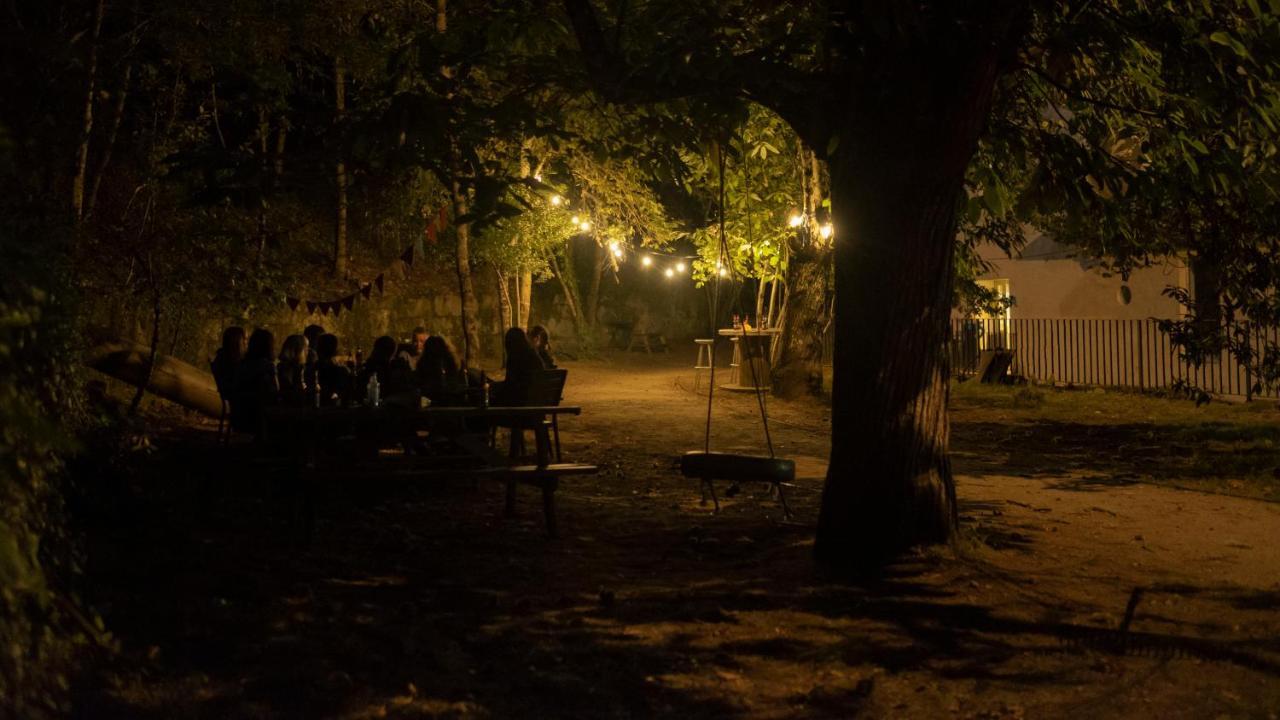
[(723, 272), (796, 220), (556, 200), (574, 220), (584, 226), (825, 231), (669, 272), (538, 177), (617, 249), (646, 261), (679, 267)]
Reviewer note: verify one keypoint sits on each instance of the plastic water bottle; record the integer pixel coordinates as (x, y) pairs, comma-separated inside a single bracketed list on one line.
[(374, 391)]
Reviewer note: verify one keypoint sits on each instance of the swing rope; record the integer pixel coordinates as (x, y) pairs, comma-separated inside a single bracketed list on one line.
[(715, 312)]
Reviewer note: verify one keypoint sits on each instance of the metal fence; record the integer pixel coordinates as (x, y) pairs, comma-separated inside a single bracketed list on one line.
[(1115, 353)]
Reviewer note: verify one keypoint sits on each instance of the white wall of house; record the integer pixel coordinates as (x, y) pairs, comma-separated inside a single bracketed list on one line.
[(1048, 281)]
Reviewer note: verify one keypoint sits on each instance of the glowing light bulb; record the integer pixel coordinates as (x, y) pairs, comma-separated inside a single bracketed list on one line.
[(796, 220), (574, 220), (646, 261), (679, 267), (584, 226), (617, 251), (669, 272), (723, 272), (825, 231), (538, 177), (556, 200)]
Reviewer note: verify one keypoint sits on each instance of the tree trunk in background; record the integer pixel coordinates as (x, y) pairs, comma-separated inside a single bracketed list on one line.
[(525, 281), (340, 175), (567, 285), (466, 292), (593, 290), (504, 301), (913, 132), (117, 117), (282, 133), (86, 127), (798, 370)]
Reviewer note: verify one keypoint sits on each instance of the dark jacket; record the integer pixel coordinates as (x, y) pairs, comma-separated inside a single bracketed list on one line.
[(255, 388)]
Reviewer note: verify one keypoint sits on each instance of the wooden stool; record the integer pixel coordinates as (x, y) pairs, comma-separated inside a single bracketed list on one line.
[(705, 361), (734, 362)]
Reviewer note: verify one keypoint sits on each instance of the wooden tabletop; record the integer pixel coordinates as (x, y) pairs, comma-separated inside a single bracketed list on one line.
[(496, 412), (754, 332)]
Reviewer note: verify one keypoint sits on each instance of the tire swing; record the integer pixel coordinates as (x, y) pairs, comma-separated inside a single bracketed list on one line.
[(707, 466)]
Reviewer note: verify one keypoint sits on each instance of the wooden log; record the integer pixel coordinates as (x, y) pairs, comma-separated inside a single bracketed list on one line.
[(172, 379)]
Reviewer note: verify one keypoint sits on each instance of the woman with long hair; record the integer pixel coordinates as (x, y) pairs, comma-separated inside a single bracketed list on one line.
[(522, 364), (255, 385), (227, 359), (439, 375), (291, 370), (541, 341)]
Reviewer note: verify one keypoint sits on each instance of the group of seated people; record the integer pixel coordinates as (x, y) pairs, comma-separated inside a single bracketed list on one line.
[(310, 371)]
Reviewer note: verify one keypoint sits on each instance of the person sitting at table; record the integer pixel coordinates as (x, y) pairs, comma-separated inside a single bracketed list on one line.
[(255, 385), (312, 333), (412, 351), (291, 370), (540, 339), (522, 364), (378, 363), (227, 359), (332, 378), (439, 376)]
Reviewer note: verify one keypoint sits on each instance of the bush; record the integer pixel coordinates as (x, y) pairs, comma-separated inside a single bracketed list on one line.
[(42, 628)]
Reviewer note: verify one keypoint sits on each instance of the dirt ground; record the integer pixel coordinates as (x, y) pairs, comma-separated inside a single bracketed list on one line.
[(1084, 585)]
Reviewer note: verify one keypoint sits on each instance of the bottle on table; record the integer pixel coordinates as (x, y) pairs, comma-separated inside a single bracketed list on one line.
[(374, 391)]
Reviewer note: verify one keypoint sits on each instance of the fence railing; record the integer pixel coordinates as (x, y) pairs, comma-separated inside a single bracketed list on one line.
[(1115, 353)]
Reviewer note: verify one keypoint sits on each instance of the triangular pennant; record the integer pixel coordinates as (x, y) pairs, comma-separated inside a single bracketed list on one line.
[(349, 301), (443, 217), (366, 289), (407, 256), (337, 307), (379, 281), (292, 302), (431, 231), (311, 307)]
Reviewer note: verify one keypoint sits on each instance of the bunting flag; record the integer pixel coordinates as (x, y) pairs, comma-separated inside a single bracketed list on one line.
[(407, 256), (311, 307), (431, 231), (292, 302), (349, 301), (337, 308), (366, 289), (443, 217), (379, 282)]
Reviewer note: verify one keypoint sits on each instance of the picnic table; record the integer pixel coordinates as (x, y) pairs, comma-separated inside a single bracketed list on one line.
[(309, 438), (756, 347)]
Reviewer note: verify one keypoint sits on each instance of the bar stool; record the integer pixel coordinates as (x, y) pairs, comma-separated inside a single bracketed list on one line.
[(734, 362), (705, 361)]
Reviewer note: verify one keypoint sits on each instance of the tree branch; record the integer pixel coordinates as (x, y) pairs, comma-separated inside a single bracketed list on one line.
[(1077, 95), (787, 91)]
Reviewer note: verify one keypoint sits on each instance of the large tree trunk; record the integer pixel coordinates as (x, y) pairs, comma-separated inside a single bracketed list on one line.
[(889, 485), (592, 309), (340, 173), (798, 370), (86, 125)]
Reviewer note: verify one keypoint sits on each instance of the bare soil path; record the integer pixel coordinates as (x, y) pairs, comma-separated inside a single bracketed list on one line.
[(1078, 589)]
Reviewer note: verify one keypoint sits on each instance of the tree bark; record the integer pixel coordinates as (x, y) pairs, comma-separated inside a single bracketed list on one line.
[(889, 484), (525, 281), (86, 126), (340, 173), (798, 370)]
